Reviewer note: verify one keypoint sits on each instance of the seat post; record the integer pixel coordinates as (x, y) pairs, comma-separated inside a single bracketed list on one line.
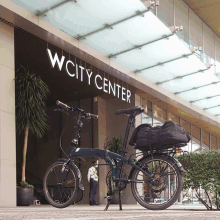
[(130, 121)]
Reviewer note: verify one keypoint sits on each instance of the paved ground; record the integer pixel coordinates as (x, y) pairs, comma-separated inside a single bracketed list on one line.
[(129, 212)]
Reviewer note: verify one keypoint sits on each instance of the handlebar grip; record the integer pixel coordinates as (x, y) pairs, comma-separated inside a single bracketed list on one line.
[(92, 115), (61, 104)]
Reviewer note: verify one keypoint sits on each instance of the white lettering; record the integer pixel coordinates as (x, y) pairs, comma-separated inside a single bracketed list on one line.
[(96, 81), (55, 59), (128, 96), (77, 75), (104, 85), (82, 68), (110, 87), (70, 74), (89, 76), (118, 89), (123, 93)]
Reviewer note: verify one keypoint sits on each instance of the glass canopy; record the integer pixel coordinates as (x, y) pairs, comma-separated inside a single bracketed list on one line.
[(130, 34)]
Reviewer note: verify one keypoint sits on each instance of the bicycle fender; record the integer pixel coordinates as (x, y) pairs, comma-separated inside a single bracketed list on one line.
[(179, 165), (77, 171)]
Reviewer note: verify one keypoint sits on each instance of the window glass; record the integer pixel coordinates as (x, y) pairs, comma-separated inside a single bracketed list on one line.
[(195, 36), (160, 116), (147, 115), (209, 47), (217, 44), (196, 132), (205, 138), (173, 117), (147, 118), (181, 19), (160, 113), (165, 12), (195, 30), (188, 147), (137, 100), (195, 144), (147, 105), (205, 147), (185, 125), (213, 142)]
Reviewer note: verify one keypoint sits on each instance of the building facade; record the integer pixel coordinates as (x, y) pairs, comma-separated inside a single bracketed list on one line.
[(103, 58)]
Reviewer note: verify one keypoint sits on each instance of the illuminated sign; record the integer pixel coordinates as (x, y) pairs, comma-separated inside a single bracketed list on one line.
[(81, 73)]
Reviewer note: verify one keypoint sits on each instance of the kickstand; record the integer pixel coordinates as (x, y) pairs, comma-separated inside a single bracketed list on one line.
[(120, 205), (109, 198)]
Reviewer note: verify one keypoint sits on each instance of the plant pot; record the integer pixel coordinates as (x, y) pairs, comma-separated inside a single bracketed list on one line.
[(24, 196)]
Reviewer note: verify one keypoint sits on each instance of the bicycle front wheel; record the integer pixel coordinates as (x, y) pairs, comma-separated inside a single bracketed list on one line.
[(60, 185), (167, 177)]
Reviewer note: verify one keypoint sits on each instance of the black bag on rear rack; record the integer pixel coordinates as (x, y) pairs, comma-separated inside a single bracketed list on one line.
[(160, 137)]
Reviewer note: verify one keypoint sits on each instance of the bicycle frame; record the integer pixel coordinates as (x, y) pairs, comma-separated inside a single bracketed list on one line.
[(109, 157)]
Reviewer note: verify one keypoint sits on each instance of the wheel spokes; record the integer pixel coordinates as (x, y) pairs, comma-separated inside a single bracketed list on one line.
[(164, 186)]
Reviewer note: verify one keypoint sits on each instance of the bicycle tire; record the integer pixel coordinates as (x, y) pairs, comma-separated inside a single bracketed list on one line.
[(52, 193), (149, 203)]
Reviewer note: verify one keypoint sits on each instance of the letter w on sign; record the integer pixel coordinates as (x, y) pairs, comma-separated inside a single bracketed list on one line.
[(55, 59)]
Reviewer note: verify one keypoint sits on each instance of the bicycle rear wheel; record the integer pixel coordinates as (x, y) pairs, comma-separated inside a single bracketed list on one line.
[(169, 183), (60, 185)]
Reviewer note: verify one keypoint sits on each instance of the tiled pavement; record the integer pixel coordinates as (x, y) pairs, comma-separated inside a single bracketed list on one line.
[(86, 212)]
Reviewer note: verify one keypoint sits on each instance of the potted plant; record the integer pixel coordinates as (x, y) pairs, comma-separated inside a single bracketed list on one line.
[(114, 145), (30, 106)]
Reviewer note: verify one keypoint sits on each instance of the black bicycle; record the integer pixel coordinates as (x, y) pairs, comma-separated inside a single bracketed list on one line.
[(156, 180)]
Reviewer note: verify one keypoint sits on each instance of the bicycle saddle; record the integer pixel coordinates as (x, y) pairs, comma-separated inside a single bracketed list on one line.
[(130, 111)]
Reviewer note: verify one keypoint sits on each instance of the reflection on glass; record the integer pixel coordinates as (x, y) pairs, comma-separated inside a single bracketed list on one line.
[(213, 142), (147, 118), (157, 123), (173, 117), (160, 113), (186, 126), (137, 100), (160, 116), (147, 105), (165, 12), (187, 147), (181, 18), (147, 115), (205, 138), (196, 132), (195, 144), (205, 147)]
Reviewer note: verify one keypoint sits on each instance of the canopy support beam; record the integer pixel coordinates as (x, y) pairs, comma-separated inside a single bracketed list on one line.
[(180, 77), (140, 46), (43, 13), (161, 64), (110, 26), (210, 97), (176, 93), (211, 107)]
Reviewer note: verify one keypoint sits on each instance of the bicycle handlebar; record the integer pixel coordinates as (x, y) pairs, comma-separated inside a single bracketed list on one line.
[(92, 115), (67, 108), (62, 104)]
